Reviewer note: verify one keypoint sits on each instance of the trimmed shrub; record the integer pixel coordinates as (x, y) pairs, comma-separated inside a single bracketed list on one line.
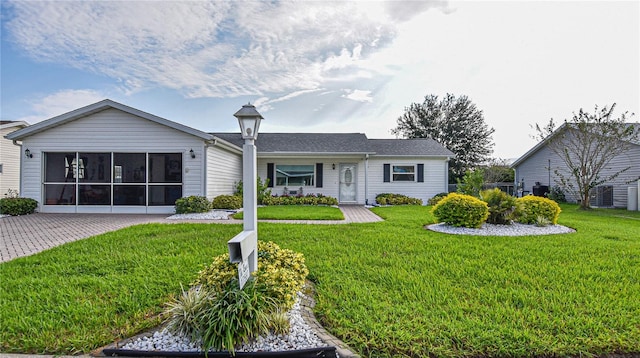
[(436, 198), (282, 271), (530, 209), (192, 204), (309, 199), (501, 206), (223, 316), (229, 202), (461, 210), (17, 206), (396, 199)]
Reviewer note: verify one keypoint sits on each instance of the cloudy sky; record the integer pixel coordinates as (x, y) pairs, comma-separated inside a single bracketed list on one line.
[(322, 66)]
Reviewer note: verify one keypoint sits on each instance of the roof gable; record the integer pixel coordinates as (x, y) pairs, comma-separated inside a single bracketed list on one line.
[(99, 107), (544, 142)]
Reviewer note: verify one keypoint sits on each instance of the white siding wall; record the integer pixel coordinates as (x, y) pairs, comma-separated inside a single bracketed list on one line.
[(534, 169), (435, 174), (112, 131), (330, 181), (224, 170), (10, 160)]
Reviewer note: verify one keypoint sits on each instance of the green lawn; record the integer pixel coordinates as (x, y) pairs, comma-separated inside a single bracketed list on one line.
[(386, 289), (297, 212)]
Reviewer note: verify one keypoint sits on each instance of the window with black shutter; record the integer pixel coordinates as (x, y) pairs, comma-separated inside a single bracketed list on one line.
[(318, 175), (270, 176)]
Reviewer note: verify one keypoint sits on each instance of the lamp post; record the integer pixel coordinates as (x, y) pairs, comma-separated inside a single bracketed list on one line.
[(243, 248)]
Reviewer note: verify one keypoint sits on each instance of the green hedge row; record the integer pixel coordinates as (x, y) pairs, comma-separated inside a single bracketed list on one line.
[(17, 206)]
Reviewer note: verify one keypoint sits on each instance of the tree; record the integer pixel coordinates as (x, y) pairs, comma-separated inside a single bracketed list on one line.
[(455, 123), (586, 145), (498, 171)]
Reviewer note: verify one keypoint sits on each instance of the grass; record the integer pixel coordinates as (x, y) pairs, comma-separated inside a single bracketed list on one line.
[(386, 289), (297, 212)]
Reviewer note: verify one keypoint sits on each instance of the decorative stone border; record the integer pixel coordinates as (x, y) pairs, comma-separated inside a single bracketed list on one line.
[(307, 303)]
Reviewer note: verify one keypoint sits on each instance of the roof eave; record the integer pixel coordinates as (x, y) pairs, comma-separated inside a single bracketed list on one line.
[(316, 154), (14, 124)]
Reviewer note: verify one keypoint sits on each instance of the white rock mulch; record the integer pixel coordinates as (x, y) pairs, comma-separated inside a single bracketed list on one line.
[(300, 336), (514, 229), (211, 215)]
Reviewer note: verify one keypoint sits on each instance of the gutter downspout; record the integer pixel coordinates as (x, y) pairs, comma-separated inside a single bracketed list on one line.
[(446, 175), (15, 142), (366, 179)]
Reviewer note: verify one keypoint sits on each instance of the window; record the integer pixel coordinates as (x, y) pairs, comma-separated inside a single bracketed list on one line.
[(404, 173), (295, 175), (131, 179)]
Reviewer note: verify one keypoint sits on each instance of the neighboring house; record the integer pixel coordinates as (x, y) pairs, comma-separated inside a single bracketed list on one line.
[(10, 155), (111, 158), (539, 164)]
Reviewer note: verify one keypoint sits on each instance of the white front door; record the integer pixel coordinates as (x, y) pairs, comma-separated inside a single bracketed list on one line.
[(348, 193)]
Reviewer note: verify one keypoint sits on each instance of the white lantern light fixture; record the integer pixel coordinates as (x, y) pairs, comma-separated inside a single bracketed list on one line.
[(249, 120)]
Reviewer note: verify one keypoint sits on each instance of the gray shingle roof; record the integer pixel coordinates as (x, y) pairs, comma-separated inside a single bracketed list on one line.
[(409, 147), (339, 143)]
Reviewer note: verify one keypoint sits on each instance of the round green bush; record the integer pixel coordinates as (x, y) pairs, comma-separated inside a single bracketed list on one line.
[(192, 204), (529, 210), (501, 206), (17, 206), (282, 271), (229, 202), (461, 210)]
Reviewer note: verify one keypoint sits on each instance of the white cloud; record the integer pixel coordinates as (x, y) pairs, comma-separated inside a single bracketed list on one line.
[(207, 48), (59, 103), (357, 95)]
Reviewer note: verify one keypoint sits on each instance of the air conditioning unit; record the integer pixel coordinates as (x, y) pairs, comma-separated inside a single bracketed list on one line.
[(601, 196)]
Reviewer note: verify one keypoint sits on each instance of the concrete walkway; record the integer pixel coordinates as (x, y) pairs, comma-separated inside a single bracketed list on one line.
[(29, 234)]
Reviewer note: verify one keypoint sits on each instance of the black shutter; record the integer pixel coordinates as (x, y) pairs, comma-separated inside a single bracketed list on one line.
[(318, 175), (387, 173), (270, 172), (420, 173)]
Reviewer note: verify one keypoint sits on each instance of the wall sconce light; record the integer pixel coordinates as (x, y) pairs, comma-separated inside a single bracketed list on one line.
[(27, 153), (333, 166), (193, 154)]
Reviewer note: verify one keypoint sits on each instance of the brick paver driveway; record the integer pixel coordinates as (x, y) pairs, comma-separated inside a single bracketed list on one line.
[(29, 234)]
